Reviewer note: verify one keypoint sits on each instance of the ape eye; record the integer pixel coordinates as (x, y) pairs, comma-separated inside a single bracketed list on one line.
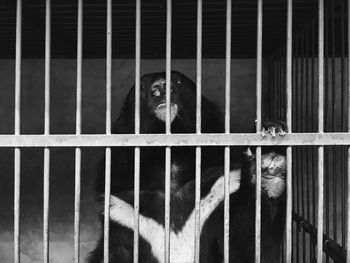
[(179, 81)]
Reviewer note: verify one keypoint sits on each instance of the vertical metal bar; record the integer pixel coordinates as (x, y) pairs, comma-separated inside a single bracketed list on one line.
[(348, 162), (275, 87), (77, 176), (47, 132), (17, 156), (168, 131), (302, 149), (328, 117), (137, 130), (334, 149), (313, 179), (308, 129), (258, 129), (297, 149), (198, 131), (288, 255), (342, 118), (320, 193), (227, 130), (108, 131)]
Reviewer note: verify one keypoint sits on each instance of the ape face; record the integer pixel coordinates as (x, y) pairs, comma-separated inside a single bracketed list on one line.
[(153, 95)]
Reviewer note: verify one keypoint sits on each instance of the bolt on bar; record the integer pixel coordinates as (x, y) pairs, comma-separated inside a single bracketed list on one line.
[(348, 170), (47, 131), (320, 130), (198, 131), (168, 131), (288, 254), (17, 174), (258, 129), (137, 131), (227, 131), (77, 175), (108, 131)]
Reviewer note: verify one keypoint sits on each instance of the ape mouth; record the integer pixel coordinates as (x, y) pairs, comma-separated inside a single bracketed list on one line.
[(160, 111)]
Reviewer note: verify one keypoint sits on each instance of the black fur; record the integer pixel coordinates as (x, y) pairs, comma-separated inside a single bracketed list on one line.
[(153, 158), (242, 208)]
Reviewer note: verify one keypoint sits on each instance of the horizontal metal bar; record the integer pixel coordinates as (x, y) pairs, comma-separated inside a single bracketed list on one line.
[(103, 140)]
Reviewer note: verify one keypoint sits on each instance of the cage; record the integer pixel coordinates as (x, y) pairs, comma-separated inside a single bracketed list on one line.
[(66, 67)]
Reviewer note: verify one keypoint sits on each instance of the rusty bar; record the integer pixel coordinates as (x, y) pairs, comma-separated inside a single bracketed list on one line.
[(227, 130), (198, 131), (320, 193), (288, 254), (258, 129), (17, 155), (77, 177), (46, 189), (137, 130), (108, 131)]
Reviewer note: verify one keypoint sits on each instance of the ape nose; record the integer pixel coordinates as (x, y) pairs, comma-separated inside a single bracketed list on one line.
[(159, 88)]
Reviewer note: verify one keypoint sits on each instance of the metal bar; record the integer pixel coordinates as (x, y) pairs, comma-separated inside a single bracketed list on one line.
[(330, 247), (308, 129), (258, 129), (107, 204), (197, 206), (302, 149), (167, 204), (297, 150), (112, 140), (343, 122), (348, 162), (17, 156), (227, 130), (288, 254), (168, 131), (334, 150), (168, 65), (313, 41), (108, 131), (137, 130), (77, 176), (198, 131), (46, 132), (320, 194), (327, 118)]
